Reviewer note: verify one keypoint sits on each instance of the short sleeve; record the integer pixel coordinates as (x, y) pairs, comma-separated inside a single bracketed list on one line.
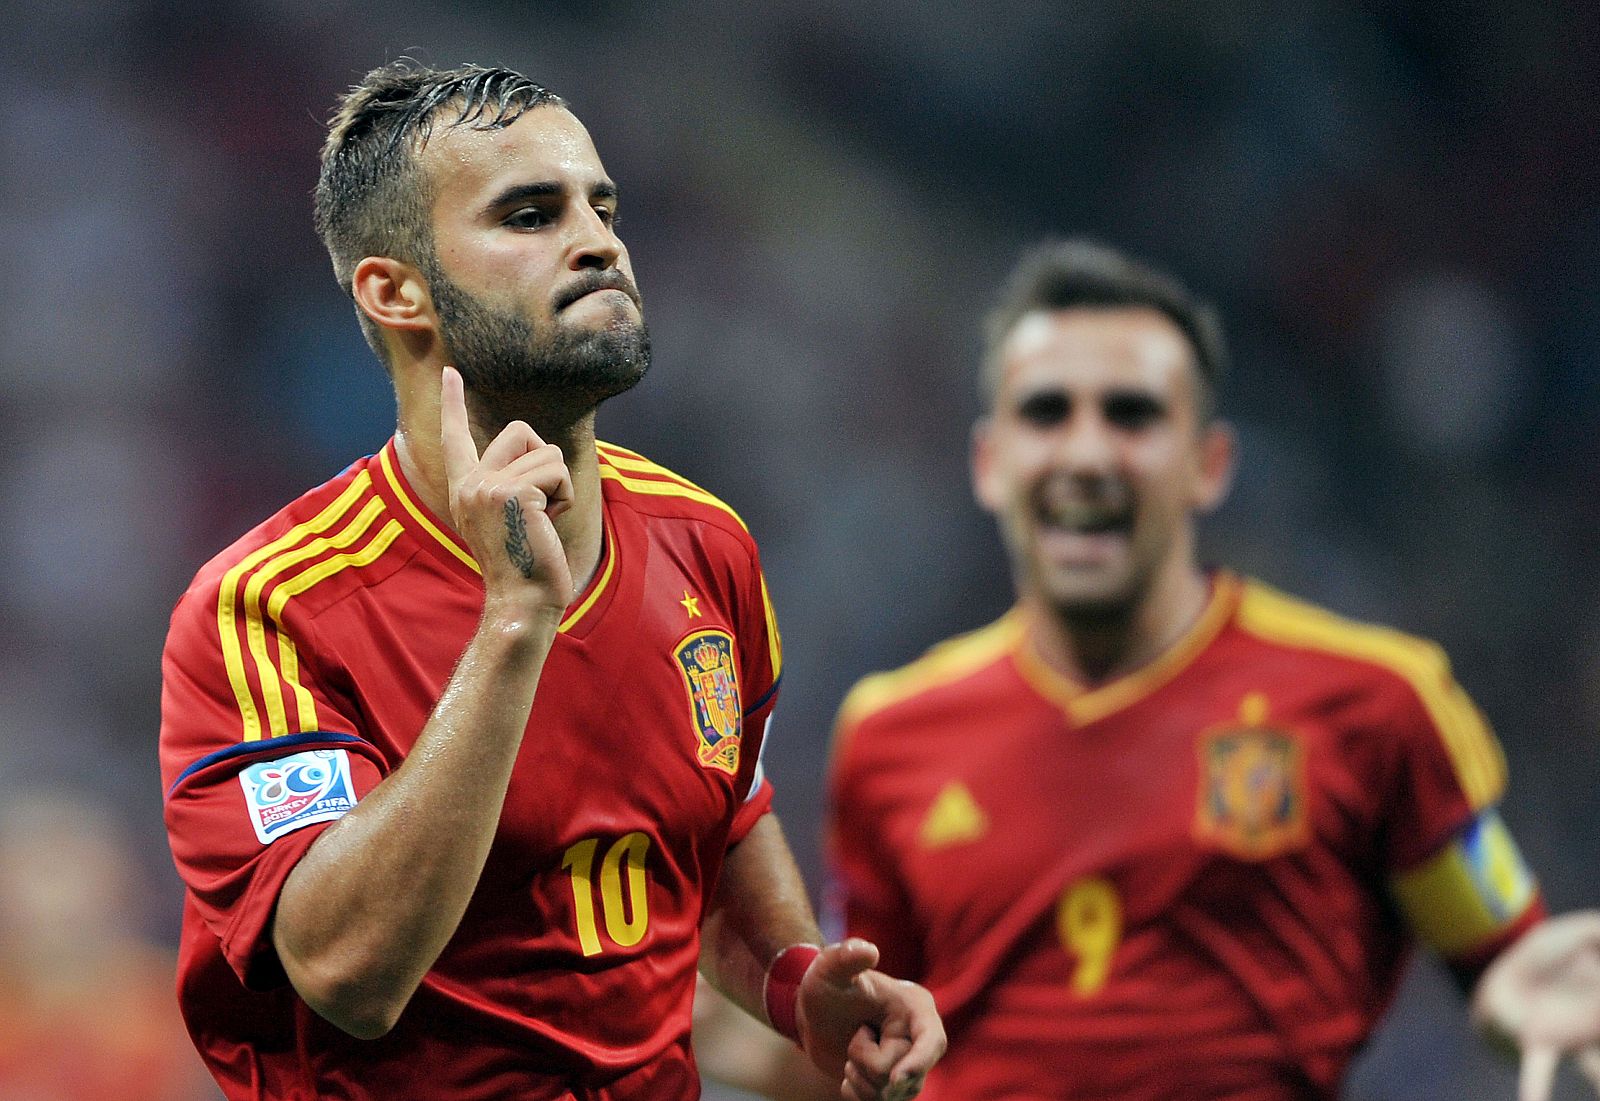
[(1454, 868), (761, 670), (257, 758), (1445, 763)]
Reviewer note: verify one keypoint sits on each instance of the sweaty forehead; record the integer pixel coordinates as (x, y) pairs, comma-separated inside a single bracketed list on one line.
[(546, 144), (1092, 350)]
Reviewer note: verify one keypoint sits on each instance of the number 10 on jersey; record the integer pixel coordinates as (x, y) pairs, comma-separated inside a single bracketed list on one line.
[(623, 897)]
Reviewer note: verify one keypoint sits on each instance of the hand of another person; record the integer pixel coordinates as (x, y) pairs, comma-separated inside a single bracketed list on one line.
[(502, 504), (1543, 995), (879, 1036)]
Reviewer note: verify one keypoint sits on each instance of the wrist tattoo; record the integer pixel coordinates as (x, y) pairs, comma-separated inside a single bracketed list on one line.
[(517, 538)]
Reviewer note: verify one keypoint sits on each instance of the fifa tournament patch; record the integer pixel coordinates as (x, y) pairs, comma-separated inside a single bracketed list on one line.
[(299, 790), (705, 659), (1252, 799)]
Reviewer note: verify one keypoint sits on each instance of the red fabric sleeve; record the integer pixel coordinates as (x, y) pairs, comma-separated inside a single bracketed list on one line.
[(1445, 764), (760, 669), (232, 876), (1448, 771)]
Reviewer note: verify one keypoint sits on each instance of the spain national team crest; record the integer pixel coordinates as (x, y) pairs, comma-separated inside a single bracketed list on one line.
[(1252, 800), (706, 659)]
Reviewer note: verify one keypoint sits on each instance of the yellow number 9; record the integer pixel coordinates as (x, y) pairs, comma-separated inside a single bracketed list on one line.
[(1089, 923)]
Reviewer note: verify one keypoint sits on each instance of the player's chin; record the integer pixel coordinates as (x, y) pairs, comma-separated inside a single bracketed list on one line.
[(1103, 591)]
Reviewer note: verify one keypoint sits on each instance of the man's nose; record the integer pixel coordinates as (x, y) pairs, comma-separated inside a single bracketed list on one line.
[(1086, 445), (594, 243)]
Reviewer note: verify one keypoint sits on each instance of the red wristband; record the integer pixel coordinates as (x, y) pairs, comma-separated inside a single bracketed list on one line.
[(781, 991)]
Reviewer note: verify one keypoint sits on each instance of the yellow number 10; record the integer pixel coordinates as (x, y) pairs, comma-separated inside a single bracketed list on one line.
[(628, 853), (1089, 923)]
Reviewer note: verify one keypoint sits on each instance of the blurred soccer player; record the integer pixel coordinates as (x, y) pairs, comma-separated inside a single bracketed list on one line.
[(1163, 832), (462, 749)]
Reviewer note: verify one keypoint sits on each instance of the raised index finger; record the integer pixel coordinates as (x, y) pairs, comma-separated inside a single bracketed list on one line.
[(455, 432)]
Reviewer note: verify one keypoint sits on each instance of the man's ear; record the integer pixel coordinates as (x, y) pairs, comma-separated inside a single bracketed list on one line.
[(1219, 452), (984, 488), (393, 293)]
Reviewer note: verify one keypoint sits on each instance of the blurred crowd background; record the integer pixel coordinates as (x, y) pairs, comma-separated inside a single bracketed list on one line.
[(1396, 206)]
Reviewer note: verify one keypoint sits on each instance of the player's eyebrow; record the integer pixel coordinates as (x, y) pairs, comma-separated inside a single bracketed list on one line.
[(546, 189), (524, 192), (1134, 394)]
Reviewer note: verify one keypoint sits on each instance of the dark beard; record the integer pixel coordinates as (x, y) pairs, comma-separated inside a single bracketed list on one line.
[(508, 366)]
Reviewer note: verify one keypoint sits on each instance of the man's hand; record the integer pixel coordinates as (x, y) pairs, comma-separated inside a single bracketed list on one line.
[(877, 1035), (502, 505), (1543, 995)]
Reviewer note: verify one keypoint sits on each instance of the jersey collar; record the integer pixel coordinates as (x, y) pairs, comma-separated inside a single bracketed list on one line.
[(438, 537), (1085, 705)]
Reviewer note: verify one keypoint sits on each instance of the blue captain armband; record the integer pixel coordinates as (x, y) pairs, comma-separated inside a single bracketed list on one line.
[(1470, 891)]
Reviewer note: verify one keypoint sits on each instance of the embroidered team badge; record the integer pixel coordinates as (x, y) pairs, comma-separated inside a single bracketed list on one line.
[(295, 791), (706, 661), (1252, 799)]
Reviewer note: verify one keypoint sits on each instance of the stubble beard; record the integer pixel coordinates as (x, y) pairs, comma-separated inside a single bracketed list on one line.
[(512, 370)]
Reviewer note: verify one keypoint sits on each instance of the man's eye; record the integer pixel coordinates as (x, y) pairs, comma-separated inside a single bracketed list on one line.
[(529, 217), (608, 216), (1134, 410), (1044, 410)]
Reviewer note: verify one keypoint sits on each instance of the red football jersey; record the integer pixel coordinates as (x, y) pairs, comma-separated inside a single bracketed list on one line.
[(1174, 885), (301, 665)]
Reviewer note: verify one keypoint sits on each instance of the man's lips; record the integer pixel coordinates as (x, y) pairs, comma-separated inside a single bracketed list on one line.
[(1083, 518), (603, 290), (614, 281)]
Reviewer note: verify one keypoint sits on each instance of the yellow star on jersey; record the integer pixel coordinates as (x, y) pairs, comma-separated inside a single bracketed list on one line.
[(691, 604)]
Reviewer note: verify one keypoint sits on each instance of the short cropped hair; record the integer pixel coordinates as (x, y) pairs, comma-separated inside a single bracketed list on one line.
[(1077, 273), (371, 197)]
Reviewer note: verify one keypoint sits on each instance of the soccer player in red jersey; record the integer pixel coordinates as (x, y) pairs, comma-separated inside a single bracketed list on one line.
[(1163, 832), (462, 750)]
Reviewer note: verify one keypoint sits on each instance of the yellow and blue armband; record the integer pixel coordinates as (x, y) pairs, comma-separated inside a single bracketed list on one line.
[(1472, 891)]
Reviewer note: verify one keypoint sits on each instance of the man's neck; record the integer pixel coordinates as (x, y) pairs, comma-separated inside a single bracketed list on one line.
[(1095, 648), (581, 527)]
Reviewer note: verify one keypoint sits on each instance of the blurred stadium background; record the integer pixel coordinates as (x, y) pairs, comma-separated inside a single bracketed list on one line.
[(1396, 205)]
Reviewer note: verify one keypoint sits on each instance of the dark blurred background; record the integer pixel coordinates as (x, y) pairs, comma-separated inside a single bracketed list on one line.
[(1396, 206)]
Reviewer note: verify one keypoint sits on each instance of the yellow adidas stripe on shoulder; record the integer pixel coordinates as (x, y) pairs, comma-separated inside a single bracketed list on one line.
[(1479, 763), (289, 658), (228, 596), (284, 561), (948, 661), (255, 621), (617, 461)]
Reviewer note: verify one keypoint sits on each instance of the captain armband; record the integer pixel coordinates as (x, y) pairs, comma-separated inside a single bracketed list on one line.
[(1470, 892)]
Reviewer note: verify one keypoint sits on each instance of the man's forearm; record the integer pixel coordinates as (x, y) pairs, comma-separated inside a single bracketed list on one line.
[(873, 1036), (760, 908), (370, 906)]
